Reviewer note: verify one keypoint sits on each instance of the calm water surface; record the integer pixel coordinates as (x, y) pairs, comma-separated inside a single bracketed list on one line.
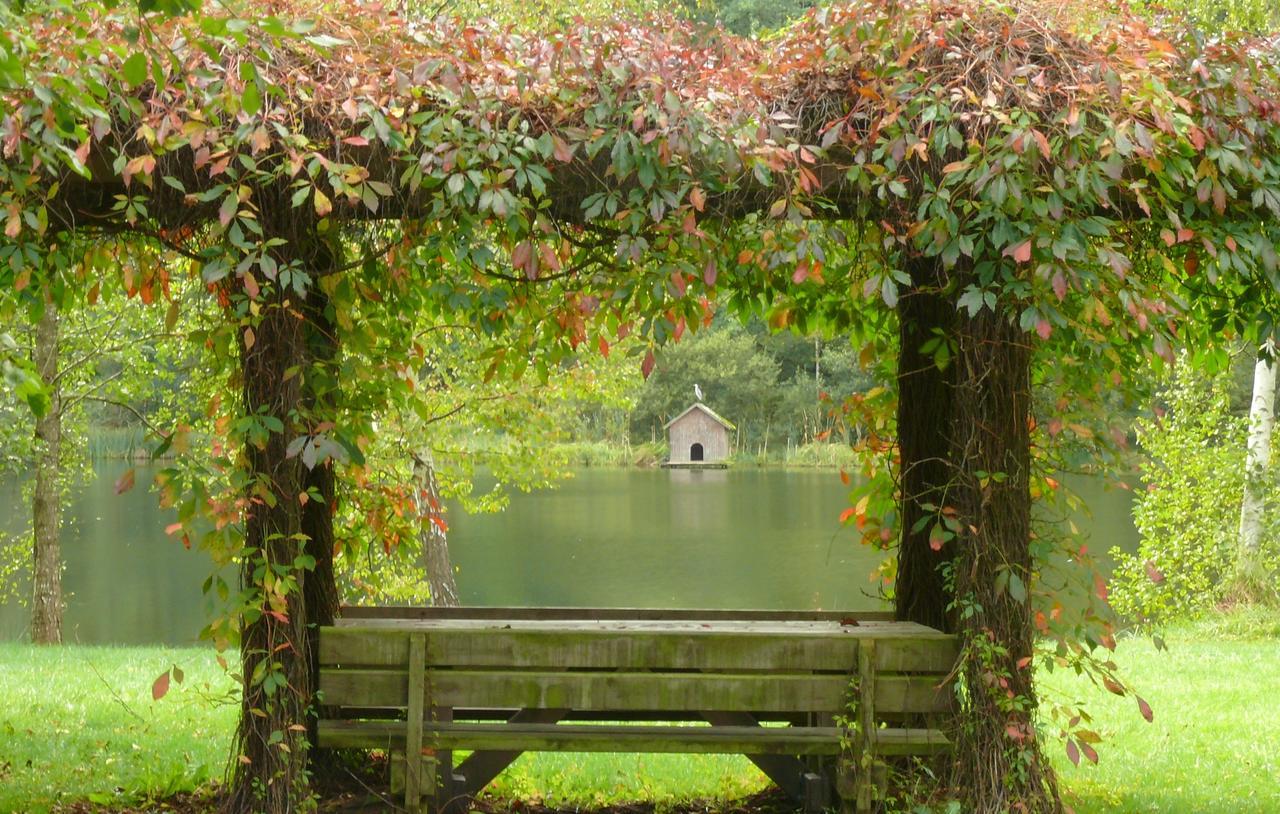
[(743, 538)]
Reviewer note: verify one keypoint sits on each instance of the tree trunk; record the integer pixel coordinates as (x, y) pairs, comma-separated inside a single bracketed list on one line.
[(320, 590), (284, 378), (432, 531), (1258, 457), (998, 758), (925, 419), (46, 582)]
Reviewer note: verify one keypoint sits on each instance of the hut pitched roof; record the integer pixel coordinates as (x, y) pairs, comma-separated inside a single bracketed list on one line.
[(704, 408)]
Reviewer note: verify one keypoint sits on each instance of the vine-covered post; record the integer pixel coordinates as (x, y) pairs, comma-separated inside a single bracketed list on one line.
[(925, 415), (287, 567), (999, 759)]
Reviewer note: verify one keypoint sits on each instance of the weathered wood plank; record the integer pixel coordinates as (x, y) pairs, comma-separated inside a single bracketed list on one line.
[(413, 783), (918, 654), (711, 650), (870, 686), (895, 630), (517, 613), (899, 694), (911, 741), (578, 738), (606, 690)]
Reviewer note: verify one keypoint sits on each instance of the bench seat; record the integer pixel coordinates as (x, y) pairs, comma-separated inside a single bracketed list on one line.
[(853, 692)]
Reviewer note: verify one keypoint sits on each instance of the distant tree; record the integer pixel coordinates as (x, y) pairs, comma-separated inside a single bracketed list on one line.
[(738, 378)]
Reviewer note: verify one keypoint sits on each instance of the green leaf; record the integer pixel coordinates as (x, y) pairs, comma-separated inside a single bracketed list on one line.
[(1017, 589), (251, 99), (135, 69)]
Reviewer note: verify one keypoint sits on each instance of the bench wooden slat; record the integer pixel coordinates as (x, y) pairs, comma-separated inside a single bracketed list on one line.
[(601, 649), (676, 692), (570, 738), (911, 741), (920, 654), (355, 613), (685, 692)]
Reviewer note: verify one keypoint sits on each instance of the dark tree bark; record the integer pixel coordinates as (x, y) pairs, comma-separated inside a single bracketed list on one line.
[(925, 418), (284, 377), (999, 761), (46, 504), (434, 538), (320, 591)]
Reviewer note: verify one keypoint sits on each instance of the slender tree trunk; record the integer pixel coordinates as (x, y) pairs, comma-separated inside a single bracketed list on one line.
[(1258, 457), (925, 419), (432, 531), (46, 582), (285, 380), (998, 758)]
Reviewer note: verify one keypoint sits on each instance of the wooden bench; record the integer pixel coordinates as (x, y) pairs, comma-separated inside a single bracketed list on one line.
[(814, 699)]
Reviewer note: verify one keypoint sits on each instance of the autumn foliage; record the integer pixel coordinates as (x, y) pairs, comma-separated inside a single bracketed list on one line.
[(1014, 183)]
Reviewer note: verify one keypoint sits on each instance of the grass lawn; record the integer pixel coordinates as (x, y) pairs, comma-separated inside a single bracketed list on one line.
[(79, 723)]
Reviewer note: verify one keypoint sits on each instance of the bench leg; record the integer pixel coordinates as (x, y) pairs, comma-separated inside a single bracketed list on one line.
[(424, 800)]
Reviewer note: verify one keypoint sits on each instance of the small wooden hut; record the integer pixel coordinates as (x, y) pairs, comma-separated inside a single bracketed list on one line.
[(698, 437)]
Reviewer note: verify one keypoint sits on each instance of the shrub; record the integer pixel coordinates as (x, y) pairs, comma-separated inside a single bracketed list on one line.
[(1188, 513)]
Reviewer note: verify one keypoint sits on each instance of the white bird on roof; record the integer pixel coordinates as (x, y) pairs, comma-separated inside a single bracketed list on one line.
[(697, 391)]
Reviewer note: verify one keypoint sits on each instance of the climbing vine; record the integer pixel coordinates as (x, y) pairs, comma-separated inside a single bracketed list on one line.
[(1040, 204)]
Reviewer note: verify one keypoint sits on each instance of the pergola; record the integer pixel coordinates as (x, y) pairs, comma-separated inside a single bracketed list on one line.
[(1011, 184)]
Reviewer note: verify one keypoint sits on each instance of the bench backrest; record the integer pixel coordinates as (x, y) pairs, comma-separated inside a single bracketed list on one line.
[(679, 666)]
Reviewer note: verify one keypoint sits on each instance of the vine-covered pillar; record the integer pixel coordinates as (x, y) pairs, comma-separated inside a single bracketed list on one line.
[(320, 385), (998, 758), (287, 567), (925, 406)]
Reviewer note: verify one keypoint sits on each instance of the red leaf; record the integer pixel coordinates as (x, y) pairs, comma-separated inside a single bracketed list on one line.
[(604, 347), (844, 477), (522, 254), (698, 198), (646, 367), (1088, 752), (356, 141), (1044, 328), (936, 538), (172, 529), (1042, 143), (1059, 285), (160, 686), (1073, 754), (1020, 253), (125, 482), (846, 514), (709, 273), (563, 152), (1145, 709)]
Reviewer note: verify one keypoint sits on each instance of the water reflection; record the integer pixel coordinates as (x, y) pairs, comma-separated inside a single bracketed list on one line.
[(736, 538)]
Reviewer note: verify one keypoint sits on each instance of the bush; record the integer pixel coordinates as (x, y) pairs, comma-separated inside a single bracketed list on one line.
[(1188, 514)]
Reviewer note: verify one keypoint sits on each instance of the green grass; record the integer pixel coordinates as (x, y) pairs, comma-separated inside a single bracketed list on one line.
[(78, 722), (1214, 747), (591, 780)]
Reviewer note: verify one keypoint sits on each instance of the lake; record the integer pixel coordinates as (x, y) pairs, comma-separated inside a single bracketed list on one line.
[(737, 538)]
